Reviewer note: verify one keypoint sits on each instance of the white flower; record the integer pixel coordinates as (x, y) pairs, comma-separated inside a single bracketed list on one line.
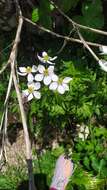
[(103, 50), (28, 71), (83, 132), (103, 65), (61, 85), (46, 74), (46, 58), (32, 91), (81, 136)]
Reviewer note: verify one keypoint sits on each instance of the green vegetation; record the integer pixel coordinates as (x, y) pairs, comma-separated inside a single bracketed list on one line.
[(85, 104)]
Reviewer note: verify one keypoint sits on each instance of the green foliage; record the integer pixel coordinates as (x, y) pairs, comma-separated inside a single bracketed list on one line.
[(58, 151), (88, 182), (44, 164), (85, 102), (35, 15), (96, 19), (66, 6), (12, 177), (86, 98), (44, 13)]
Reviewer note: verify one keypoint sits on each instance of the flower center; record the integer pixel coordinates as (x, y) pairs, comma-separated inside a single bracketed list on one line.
[(46, 57), (31, 89), (60, 81), (46, 73), (28, 69)]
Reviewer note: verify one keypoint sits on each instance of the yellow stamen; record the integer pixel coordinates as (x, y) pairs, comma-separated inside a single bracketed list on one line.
[(60, 81), (30, 89), (28, 69), (46, 73), (46, 57)]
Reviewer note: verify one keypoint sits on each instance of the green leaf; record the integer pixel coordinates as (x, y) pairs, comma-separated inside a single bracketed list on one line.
[(94, 163), (89, 8), (58, 151), (67, 5), (86, 162), (51, 7), (35, 15), (44, 13), (102, 165), (96, 20), (57, 110), (100, 131)]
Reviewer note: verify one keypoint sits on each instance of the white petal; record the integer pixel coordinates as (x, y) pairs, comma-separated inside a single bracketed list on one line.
[(86, 130), (30, 97), (30, 78), (81, 136), (25, 92), (50, 70), (39, 77), (53, 58), (22, 74), (44, 54), (51, 63), (54, 77), (41, 59), (82, 128), (61, 89), (47, 80), (22, 69), (31, 84), (66, 87), (37, 85), (103, 65), (86, 135), (103, 49), (37, 94), (53, 86), (34, 69), (67, 79), (41, 69)]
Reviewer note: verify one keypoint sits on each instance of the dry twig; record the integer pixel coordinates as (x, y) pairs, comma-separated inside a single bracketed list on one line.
[(6, 100), (64, 43), (13, 57), (76, 24), (61, 36), (87, 46), (76, 28), (12, 61)]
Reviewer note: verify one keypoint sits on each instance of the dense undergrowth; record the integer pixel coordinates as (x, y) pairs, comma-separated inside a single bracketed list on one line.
[(83, 106)]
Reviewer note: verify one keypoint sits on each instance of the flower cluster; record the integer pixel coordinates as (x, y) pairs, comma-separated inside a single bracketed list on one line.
[(83, 132), (43, 73)]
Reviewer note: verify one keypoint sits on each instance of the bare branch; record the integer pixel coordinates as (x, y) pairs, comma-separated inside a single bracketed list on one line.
[(6, 100), (87, 46), (7, 64), (78, 25), (4, 67), (61, 36), (65, 43), (13, 57), (2, 51)]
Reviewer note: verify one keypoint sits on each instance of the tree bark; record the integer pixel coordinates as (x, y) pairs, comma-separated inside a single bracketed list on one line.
[(8, 18)]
